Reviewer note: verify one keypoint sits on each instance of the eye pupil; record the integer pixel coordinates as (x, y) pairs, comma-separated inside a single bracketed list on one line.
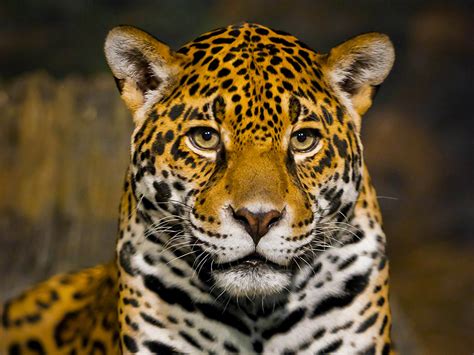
[(206, 135), (301, 137)]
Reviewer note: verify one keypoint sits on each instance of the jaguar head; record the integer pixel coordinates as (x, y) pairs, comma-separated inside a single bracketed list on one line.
[(248, 140)]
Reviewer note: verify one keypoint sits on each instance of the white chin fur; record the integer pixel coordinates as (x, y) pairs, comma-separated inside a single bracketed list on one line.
[(257, 282)]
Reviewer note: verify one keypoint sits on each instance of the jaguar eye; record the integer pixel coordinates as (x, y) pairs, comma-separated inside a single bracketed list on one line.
[(304, 140), (204, 138)]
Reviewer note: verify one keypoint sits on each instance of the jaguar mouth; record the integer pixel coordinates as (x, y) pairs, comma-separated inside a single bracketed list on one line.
[(254, 260), (252, 276)]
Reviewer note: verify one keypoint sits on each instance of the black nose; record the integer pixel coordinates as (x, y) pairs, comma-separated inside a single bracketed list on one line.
[(257, 224)]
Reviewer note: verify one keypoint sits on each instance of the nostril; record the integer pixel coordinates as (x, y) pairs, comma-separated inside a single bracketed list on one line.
[(268, 220), (274, 220), (239, 217), (256, 224)]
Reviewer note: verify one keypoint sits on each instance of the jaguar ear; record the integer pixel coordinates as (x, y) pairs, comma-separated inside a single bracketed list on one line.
[(144, 68), (358, 66)]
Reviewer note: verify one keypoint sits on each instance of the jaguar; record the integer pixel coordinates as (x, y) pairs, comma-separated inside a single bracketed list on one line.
[(248, 221)]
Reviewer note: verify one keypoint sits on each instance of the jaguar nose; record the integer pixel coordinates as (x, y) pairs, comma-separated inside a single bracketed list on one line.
[(257, 224)]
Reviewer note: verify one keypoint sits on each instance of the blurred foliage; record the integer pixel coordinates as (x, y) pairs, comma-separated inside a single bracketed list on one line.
[(64, 136)]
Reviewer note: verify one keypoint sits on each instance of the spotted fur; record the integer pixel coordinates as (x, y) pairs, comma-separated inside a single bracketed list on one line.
[(252, 246)]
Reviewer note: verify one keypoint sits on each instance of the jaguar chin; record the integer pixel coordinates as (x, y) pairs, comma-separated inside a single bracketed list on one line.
[(252, 277)]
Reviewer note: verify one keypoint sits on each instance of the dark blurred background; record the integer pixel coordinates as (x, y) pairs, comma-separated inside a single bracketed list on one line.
[(64, 138)]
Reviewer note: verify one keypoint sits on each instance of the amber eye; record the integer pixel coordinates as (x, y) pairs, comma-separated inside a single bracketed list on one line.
[(204, 138), (304, 140)]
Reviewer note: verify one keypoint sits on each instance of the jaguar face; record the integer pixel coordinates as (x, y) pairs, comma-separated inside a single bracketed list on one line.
[(249, 141)]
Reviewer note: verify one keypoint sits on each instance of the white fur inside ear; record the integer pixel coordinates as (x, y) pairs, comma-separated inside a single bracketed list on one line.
[(364, 60), (143, 65)]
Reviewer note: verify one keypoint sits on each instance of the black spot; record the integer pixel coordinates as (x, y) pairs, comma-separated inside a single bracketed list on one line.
[(331, 348), (125, 254), (173, 319), (279, 40), (230, 347), (216, 50), (262, 31), (178, 186), (223, 72), (225, 84), (147, 204), (357, 283), (130, 301), (348, 262), (157, 347), (98, 348), (380, 301), (163, 192), (384, 324), (193, 89), (327, 115), (192, 79), (158, 146), (65, 330), (234, 33), (340, 114), (169, 136), (319, 333), (287, 86), (213, 65), (171, 295), (223, 40), (275, 60), (366, 324), (151, 320), (287, 73), (237, 63), (285, 325), (382, 263), (177, 272), (228, 56), (14, 349), (130, 344), (176, 111), (35, 345), (294, 64), (205, 334), (257, 346), (190, 340), (214, 313), (353, 286), (197, 56), (341, 146), (33, 318), (294, 108)]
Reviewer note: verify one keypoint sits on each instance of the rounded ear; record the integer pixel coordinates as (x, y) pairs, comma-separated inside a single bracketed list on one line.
[(358, 66), (144, 68)]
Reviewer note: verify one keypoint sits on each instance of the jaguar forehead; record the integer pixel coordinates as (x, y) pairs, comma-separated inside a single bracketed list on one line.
[(256, 70)]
